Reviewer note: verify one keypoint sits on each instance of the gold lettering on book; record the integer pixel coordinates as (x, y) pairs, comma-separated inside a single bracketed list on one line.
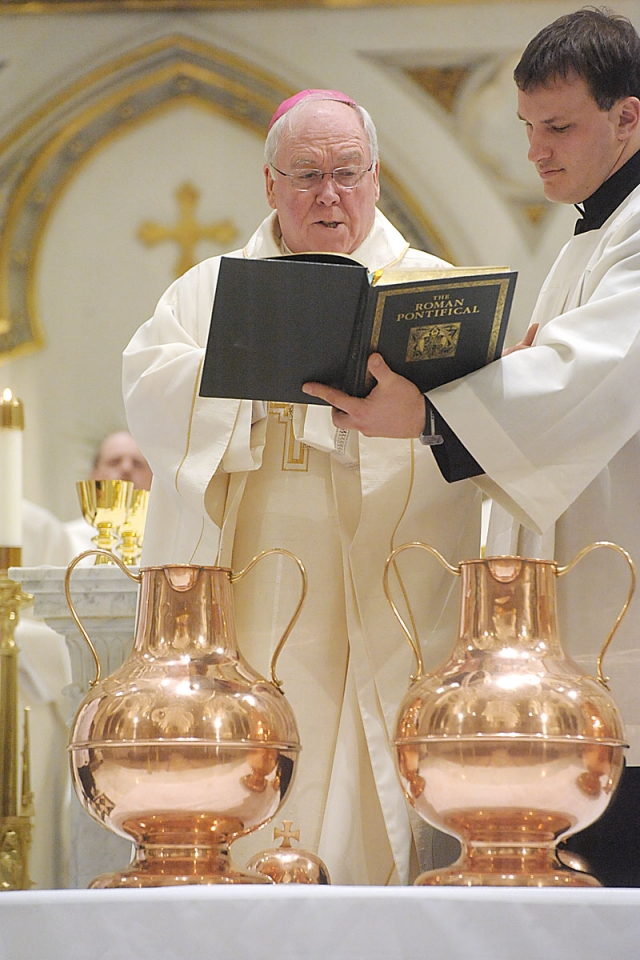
[(434, 342), (441, 305), (295, 455)]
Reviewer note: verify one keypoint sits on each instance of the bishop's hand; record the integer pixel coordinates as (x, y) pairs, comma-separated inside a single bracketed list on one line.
[(527, 341), (394, 408)]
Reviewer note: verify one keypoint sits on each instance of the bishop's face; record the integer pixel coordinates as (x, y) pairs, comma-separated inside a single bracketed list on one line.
[(327, 218), (574, 145)]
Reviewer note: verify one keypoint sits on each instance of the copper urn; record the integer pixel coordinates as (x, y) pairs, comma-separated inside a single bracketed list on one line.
[(508, 746), (185, 747)]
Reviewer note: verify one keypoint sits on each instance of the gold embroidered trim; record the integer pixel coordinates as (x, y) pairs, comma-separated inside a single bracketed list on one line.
[(295, 454)]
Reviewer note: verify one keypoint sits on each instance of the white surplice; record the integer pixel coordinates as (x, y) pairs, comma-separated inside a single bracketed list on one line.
[(556, 430), (232, 478), (44, 670)]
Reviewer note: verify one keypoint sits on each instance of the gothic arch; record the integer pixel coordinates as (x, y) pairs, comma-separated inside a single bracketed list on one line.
[(41, 156)]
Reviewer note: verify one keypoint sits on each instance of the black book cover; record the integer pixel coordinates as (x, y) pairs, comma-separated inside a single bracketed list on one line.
[(280, 322)]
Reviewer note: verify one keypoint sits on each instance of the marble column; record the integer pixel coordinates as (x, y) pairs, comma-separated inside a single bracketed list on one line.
[(105, 600)]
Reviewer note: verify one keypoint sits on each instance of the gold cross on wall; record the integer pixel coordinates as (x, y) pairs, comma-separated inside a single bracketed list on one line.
[(187, 232)]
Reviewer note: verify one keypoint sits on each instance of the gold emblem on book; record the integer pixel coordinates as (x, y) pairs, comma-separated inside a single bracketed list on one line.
[(433, 342)]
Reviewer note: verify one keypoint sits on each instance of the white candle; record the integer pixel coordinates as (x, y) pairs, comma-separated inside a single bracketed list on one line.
[(11, 430)]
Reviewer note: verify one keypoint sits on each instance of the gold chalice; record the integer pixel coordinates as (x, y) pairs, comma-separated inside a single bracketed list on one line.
[(105, 505), (132, 530)]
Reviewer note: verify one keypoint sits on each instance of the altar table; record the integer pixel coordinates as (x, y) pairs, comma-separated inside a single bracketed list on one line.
[(320, 923)]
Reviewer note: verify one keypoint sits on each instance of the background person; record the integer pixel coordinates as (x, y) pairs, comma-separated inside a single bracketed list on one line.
[(119, 458)]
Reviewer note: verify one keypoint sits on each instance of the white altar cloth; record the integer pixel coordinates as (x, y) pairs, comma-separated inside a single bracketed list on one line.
[(320, 923)]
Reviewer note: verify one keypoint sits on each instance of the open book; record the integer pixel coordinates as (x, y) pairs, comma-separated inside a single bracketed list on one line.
[(280, 322)]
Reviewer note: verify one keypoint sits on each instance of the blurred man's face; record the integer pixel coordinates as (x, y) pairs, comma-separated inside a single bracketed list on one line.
[(328, 218), (574, 144), (120, 459)]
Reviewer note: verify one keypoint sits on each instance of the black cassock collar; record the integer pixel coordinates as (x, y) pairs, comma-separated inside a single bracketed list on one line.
[(600, 205)]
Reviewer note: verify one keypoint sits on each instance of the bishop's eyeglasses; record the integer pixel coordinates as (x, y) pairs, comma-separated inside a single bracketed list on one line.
[(346, 177)]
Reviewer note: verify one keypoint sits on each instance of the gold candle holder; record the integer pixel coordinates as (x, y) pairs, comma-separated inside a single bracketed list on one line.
[(105, 505), (16, 797)]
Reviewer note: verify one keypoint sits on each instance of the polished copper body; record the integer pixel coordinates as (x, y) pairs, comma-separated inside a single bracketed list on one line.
[(185, 747), (508, 746), (288, 864)]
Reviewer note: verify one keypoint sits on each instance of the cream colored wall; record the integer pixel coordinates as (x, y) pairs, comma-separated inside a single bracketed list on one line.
[(95, 282)]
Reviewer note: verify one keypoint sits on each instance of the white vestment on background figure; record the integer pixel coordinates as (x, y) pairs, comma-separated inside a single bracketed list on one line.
[(556, 430), (81, 535), (233, 478), (44, 671)]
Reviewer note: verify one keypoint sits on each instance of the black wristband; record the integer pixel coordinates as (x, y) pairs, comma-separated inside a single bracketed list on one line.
[(429, 436)]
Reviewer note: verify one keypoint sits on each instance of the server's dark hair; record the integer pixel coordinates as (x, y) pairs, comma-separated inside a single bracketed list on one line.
[(593, 43)]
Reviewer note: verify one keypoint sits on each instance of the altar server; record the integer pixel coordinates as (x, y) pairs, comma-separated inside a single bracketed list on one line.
[(552, 431)]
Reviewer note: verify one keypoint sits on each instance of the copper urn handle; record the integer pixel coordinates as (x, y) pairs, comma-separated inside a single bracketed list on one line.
[(111, 557), (413, 643), (296, 612), (560, 571), (137, 577)]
